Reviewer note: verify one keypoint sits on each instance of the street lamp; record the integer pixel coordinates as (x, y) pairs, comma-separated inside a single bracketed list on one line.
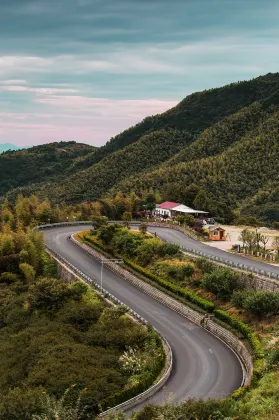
[(108, 261)]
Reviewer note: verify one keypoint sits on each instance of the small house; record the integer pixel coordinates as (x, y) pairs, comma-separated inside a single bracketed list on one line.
[(164, 209), (169, 209), (216, 233)]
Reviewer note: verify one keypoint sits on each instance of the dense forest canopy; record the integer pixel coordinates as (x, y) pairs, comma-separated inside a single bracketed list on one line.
[(57, 336), (216, 149)]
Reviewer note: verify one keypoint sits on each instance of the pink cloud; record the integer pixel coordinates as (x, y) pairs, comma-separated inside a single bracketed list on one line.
[(83, 119), (38, 91)]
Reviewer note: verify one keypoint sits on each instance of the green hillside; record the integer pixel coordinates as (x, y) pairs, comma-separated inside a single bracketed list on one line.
[(216, 149), (39, 163)]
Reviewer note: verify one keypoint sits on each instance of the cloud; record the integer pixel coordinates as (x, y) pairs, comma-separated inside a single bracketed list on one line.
[(38, 91), (80, 118), (92, 68)]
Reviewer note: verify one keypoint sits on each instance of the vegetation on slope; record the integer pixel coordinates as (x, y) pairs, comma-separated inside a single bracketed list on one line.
[(56, 336), (220, 286), (38, 164), (211, 145)]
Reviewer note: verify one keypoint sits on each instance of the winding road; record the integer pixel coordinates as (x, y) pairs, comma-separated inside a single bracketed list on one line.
[(171, 235), (204, 367)]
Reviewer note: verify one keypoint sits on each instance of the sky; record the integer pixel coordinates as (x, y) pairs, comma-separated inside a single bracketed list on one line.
[(85, 70)]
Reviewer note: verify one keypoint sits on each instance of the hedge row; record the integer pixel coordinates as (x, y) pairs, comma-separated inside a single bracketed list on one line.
[(186, 294), (243, 328), (179, 291), (208, 306)]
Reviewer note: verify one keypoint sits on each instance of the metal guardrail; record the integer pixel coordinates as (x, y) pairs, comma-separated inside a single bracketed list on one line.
[(233, 264), (150, 391)]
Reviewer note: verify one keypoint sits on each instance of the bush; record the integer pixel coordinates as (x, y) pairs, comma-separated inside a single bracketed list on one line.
[(273, 358), (238, 298), (179, 291), (262, 304), (205, 265), (222, 282), (8, 278), (143, 228), (48, 294), (242, 328)]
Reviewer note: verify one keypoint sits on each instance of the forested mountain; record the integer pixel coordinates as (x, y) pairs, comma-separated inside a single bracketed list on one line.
[(215, 149), (39, 163)]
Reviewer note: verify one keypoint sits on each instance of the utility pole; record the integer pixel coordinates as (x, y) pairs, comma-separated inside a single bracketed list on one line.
[(108, 261)]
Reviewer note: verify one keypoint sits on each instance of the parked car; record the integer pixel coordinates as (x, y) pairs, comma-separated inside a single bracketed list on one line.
[(210, 221)]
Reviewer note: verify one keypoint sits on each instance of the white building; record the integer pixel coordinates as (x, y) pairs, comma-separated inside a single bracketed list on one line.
[(170, 209)]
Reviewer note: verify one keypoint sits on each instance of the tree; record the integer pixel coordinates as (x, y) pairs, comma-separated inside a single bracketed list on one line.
[(248, 238), (243, 237), (127, 217), (264, 240), (106, 233), (262, 304), (48, 294), (98, 221), (143, 228), (28, 271), (222, 282), (61, 409), (275, 244)]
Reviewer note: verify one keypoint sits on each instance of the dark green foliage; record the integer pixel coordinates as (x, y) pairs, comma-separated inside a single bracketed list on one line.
[(20, 403), (273, 358), (222, 282), (189, 154), (38, 164), (173, 272), (9, 263), (48, 294), (79, 343), (260, 303), (189, 410), (205, 265), (243, 329)]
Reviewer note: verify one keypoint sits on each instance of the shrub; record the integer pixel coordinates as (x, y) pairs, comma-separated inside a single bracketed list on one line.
[(8, 278), (143, 228), (175, 273), (222, 282), (262, 304), (48, 294), (238, 298), (273, 358), (179, 291), (205, 265)]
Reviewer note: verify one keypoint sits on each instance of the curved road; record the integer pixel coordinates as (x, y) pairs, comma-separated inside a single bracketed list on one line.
[(181, 239), (204, 367)]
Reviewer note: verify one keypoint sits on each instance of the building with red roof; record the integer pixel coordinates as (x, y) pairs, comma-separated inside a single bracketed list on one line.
[(170, 209)]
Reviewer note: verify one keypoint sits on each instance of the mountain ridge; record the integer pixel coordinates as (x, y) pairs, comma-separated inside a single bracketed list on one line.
[(183, 153)]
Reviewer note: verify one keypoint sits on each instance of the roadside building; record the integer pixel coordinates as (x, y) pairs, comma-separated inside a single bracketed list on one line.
[(169, 209), (164, 209), (216, 233), (183, 210)]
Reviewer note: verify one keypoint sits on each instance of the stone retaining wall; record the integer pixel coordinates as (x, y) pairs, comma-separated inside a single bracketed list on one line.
[(223, 334)]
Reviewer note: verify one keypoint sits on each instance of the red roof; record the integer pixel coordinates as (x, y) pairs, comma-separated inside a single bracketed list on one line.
[(168, 205)]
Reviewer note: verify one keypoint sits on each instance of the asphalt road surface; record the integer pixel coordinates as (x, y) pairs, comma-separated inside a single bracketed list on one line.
[(180, 238), (204, 367)]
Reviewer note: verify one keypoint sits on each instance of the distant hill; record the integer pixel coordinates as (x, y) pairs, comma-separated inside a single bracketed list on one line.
[(217, 150), (7, 146), (46, 163)]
